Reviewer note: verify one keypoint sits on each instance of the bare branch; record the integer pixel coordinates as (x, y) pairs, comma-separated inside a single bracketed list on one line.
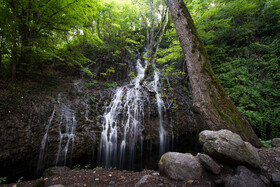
[(144, 19), (160, 38)]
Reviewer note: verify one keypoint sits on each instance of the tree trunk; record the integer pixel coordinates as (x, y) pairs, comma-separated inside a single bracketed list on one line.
[(209, 97)]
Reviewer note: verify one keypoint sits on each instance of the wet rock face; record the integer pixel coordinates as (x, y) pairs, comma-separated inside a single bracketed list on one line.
[(23, 129), (180, 166), (229, 147)]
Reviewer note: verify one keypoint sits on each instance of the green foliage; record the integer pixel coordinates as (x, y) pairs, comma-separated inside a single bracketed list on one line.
[(98, 167), (19, 180), (2, 179), (266, 143), (131, 75), (111, 85), (87, 166), (244, 50), (91, 84), (77, 167)]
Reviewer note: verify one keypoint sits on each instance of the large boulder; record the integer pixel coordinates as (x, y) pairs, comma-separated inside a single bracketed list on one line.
[(243, 178), (229, 147), (180, 166), (210, 164), (275, 142)]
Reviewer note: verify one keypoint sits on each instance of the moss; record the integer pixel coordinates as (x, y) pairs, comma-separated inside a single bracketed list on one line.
[(161, 160), (192, 27), (39, 183)]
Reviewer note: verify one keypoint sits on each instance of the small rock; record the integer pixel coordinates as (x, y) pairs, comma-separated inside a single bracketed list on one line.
[(275, 177), (275, 142), (155, 174), (180, 166), (57, 185), (112, 182), (229, 147), (265, 168), (243, 178), (143, 180), (210, 164)]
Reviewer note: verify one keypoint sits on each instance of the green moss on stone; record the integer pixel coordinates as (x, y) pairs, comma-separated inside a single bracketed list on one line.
[(39, 183)]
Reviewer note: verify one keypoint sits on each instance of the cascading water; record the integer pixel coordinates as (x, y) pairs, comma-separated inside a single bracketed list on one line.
[(43, 146), (124, 116), (68, 121), (154, 86), (121, 140), (67, 127), (160, 105)]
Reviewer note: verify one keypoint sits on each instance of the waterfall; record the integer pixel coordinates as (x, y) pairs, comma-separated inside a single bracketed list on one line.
[(67, 127), (43, 146), (160, 107), (121, 140), (124, 117)]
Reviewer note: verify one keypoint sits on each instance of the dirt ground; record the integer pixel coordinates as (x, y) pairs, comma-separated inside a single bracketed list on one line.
[(106, 177)]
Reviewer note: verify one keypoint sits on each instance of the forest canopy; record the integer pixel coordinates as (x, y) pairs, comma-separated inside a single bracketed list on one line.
[(241, 37)]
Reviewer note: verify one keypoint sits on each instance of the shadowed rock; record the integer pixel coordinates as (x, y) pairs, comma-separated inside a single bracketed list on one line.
[(243, 178), (210, 164)]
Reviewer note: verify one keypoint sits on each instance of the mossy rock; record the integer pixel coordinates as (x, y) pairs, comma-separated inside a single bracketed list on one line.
[(39, 183), (55, 171)]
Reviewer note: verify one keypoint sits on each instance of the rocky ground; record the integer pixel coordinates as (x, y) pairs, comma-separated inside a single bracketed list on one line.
[(270, 162)]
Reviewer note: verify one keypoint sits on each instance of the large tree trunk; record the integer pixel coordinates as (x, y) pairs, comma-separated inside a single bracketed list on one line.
[(209, 97)]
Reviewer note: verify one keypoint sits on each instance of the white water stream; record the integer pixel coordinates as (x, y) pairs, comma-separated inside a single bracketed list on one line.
[(124, 122), (43, 146), (125, 114), (67, 127)]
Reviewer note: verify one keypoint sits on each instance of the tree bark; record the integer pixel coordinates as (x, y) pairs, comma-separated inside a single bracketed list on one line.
[(209, 97)]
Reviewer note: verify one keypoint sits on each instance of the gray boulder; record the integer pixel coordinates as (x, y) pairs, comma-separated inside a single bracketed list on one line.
[(275, 142), (275, 177), (229, 147), (180, 166), (210, 164), (243, 178)]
